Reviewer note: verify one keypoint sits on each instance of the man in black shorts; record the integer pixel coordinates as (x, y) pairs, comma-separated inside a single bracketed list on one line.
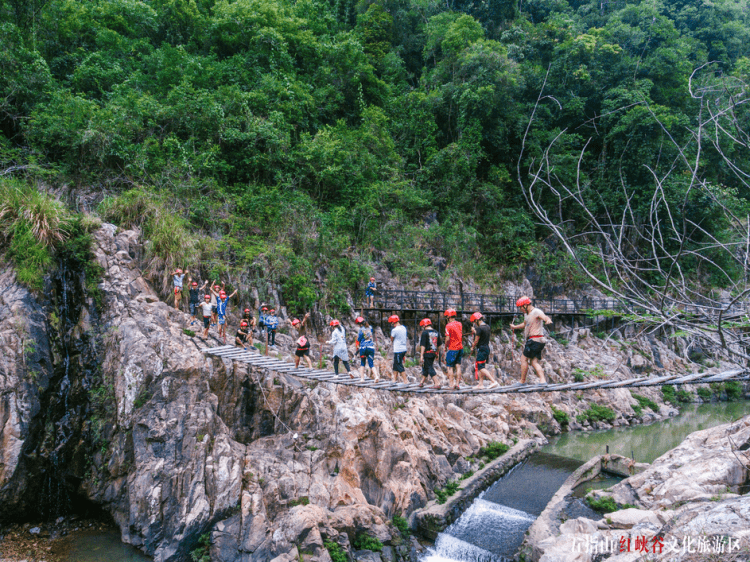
[(241, 337), (195, 298), (429, 349), (534, 338), (481, 343)]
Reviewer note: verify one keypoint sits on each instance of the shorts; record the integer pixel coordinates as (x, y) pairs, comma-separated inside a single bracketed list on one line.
[(367, 354), (533, 349), (206, 321), (483, 353), (302, 352), (453, 357), (369, 294), (222, 320), (193, 306), (398, 361), (428, 366)]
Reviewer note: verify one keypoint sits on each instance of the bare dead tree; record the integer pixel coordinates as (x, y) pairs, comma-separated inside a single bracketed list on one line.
[(652, 262)]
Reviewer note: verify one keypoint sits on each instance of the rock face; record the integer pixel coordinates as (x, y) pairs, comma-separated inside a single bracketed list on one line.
[(685, 503), (25, 371), (175, 445)]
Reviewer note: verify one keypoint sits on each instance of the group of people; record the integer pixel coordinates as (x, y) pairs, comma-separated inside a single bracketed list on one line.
[(213, 309)]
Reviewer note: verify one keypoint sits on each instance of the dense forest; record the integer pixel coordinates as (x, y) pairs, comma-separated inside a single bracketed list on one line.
[(278, 139)]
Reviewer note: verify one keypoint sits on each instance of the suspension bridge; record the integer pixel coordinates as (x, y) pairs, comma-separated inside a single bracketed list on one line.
[(255, 359)]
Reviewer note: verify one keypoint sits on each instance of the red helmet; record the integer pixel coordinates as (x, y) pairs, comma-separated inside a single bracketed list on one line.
[(359, 320), (195, 283), (393, 319), (449, 313), (207, 297), (295, 321), (476, 316), (216, 286), (523, 301), (222, 295), (425, 322), (247, 311), (372, 279), (272, 310), (334, 323), (243, 324)]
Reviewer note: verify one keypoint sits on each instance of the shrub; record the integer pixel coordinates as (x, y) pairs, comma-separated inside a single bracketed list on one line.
[(366, 542), (336, 553), (669, 394), (201, 552), (560, 416), (684, 396), (597, 413), (604, 504), (304, 500), (402, 525), (579, 375), (645, 402), (733, 390), (704, 393), (187, 332), (466, 475), (493, 450), (451, 487)]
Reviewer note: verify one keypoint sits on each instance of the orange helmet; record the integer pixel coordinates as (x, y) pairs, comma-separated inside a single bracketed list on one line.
[(476, 316), (523, 301), (425, 322), (393, 319), (334, 323), (449, 313), (359, 320)]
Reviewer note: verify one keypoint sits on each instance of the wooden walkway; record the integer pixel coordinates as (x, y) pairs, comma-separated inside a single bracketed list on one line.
[(253, 358)]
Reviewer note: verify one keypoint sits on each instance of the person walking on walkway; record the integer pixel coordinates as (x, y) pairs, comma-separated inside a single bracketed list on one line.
[(367, 348), (429, 349), (370, 292), (481, 343), (195, 298), (340, 352), (454, 338), (398, 339), (177, 278), (533, 332), (303, 341)]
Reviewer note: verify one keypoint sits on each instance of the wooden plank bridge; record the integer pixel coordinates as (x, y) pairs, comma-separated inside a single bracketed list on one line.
[(254, 358)]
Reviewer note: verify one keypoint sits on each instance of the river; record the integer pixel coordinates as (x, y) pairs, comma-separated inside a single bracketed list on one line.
[(492, 528)]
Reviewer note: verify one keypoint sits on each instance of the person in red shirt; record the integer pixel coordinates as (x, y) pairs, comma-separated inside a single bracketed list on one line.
[(454, 338)]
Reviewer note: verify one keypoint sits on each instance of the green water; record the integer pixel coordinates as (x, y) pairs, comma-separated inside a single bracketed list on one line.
[(98, 546), (647, 442)]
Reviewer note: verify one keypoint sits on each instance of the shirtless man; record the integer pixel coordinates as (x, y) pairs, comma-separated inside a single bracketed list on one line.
[(533, 332), (481, 343)]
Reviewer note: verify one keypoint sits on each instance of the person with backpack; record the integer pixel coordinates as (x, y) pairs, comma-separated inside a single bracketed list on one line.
[(340, 352), (429, 349), (398, 339), (303, 341), (482, 334), (454, 338), (272, 322), (367, 348)]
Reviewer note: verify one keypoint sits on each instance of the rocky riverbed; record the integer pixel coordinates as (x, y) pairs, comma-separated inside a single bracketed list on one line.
[(686, 505), (176, 446)]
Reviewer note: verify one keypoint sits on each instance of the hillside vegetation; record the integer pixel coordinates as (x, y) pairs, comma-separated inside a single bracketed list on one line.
[(276, 139)]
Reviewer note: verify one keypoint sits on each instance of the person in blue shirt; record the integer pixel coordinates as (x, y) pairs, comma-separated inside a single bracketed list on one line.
[(367, 348), (262, 321), (221, 311), (370, 292), (272, 322)]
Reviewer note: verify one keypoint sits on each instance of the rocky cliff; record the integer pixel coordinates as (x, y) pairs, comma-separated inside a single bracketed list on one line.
[(175, 445)]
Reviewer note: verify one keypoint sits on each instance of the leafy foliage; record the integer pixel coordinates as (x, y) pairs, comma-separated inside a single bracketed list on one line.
[(597, 412), (492, 450), (365, 542)]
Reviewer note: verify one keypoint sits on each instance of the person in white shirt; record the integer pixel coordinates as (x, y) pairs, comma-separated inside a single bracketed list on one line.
[(398, 338), (534, 337), (206, 308), (340, 352)]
